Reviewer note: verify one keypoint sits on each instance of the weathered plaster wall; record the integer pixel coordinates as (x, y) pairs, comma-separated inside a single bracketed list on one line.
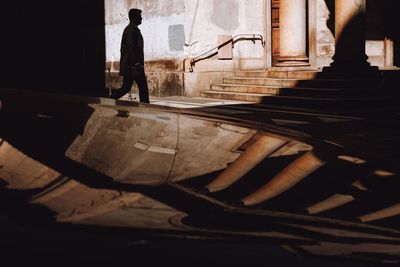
[(205, 20), (168, 25), (162, 27), (164, 38), (325, 32)]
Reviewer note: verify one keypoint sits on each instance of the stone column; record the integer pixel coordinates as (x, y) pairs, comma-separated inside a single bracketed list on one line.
[(292, 23), (389, 53), (350, 58)]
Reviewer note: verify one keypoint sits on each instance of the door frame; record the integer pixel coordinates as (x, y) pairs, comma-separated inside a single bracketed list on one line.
[(268, 33), (312, 32)]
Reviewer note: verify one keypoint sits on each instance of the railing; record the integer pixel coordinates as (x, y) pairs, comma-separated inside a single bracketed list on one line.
[(233, 40)]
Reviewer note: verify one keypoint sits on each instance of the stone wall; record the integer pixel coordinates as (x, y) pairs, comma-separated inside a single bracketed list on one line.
[(325, 32)]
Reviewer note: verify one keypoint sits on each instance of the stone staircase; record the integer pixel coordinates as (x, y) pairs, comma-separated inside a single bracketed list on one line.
[(302, 88), (254, 85)]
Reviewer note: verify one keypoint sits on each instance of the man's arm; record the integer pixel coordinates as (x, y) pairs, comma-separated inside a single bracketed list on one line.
[(135, 47)]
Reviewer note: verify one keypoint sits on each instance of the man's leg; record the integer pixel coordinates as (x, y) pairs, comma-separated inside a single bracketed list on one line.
[(127, 82), (143, 87)]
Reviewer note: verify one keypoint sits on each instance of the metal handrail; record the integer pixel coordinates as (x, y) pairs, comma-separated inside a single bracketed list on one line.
[(233, 40)]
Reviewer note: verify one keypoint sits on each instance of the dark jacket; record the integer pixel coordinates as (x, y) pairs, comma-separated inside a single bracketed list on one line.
[(131, 49)]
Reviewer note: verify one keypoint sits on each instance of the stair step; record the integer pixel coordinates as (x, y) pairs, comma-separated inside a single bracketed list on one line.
[(321, 103), (250, 89), (295, 91), (305, 74), (249, 97), (317, 83), (277, 82), (328, 92)]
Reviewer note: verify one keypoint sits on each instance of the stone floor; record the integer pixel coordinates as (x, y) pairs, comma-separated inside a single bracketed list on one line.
[(184, 101)]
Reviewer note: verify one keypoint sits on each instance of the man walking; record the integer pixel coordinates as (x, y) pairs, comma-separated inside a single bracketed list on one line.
[(132, 59)]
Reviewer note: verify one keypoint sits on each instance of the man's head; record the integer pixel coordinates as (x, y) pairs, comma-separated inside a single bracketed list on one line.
[(135, 16)]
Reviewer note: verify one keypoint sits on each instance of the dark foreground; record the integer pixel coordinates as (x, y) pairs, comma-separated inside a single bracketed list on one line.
[(93, 246), (94, 182)]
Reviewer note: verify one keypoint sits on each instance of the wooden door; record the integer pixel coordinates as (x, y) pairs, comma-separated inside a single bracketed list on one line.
[(275, 30)]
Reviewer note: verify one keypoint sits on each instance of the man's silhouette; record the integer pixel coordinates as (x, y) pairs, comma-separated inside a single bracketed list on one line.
[(132, 59)]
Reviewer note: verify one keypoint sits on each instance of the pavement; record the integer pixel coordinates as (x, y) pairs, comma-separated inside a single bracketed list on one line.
[(185, 101)]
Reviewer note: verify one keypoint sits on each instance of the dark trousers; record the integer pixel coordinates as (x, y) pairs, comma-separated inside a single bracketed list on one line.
[(127, 82)]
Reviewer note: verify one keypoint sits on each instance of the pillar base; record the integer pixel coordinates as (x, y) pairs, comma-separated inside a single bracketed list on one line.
[(351, 71), (299, 61), (351, 66)]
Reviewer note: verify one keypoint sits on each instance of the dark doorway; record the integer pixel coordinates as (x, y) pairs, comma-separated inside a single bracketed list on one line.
[(53, 47), (275, 31)]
